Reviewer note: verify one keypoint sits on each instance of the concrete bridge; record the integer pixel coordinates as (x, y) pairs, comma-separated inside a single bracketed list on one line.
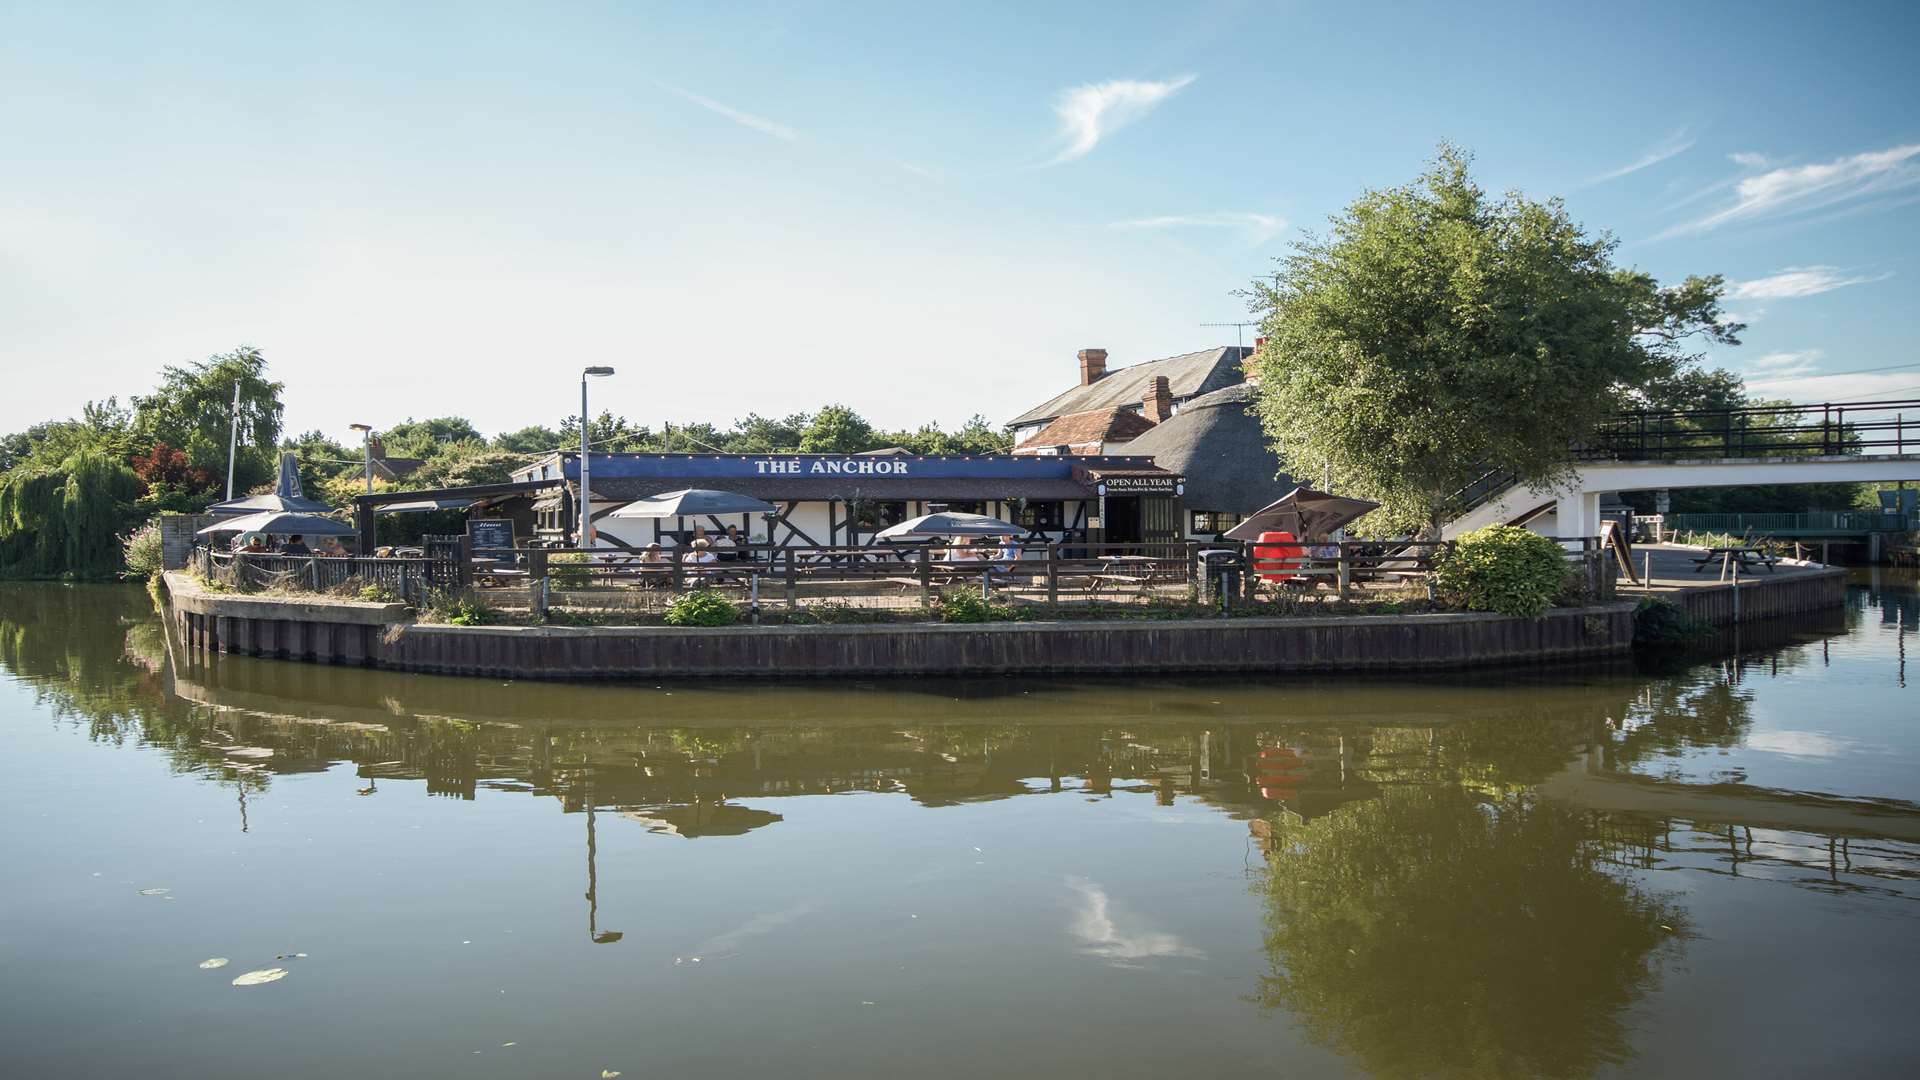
[(1828, 443)]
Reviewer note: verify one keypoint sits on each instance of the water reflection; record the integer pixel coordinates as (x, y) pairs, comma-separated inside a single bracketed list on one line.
[(1491, 875), (1437, 931)]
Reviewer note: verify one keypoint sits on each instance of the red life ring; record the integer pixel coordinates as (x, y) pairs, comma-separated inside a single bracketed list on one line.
[(1277, 555)]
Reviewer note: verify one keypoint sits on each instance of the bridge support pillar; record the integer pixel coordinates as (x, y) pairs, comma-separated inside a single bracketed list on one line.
[(1578, 514)]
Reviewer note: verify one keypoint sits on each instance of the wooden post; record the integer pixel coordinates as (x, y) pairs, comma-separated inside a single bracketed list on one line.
[(313, 571), (538, 596), (1053, 573), (793, 592), (679, 572), (1341, 569), (1646, 571), (1736, 592), (464, 575), (1196, 588), (537, 564), (924, 571)]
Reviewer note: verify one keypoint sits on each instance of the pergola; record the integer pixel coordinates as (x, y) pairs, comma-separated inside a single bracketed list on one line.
[(366, 508)]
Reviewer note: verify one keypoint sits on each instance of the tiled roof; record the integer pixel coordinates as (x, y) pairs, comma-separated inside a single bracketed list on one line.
[(1216, 442), (1189, 375), (1095, 428)]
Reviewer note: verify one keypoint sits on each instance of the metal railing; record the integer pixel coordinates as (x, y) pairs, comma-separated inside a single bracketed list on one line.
[(1824, 430), (244, 571), (1814, 522)]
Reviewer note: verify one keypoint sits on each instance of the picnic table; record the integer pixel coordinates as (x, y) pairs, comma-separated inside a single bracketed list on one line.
[(1736, 555)]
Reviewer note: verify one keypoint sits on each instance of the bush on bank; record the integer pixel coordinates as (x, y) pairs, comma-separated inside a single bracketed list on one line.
[(701, 607), (1501, 568)]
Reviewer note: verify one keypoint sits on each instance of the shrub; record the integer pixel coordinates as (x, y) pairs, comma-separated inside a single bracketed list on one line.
[(378, 594), (1501, 568), (458, 609), (1658, 626), (966, 606), (702, 607), (141, 550), (568, 569)]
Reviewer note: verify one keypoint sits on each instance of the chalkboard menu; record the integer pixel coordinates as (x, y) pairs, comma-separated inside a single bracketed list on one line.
[(485, 533)]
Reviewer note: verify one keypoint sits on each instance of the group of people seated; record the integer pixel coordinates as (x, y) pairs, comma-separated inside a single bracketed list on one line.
[(965, 550), (261, 544), (701, 549)]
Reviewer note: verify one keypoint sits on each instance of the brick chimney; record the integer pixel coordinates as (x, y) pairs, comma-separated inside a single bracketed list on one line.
[(1158, 402), (1093, 365)]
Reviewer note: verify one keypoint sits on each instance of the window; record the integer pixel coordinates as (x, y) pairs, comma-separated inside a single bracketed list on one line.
[(960, 507), (1206, 521), (1049, 515), (878, 515)]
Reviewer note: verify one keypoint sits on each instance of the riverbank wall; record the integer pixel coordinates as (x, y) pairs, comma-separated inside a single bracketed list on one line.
[(382, 635), (1758, 598)]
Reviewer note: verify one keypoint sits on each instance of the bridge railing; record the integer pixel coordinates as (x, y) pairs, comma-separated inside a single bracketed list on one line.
[(1824, 522), (1824, 430)]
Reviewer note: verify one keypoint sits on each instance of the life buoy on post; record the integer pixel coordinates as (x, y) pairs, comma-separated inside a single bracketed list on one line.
[(1278, 556)]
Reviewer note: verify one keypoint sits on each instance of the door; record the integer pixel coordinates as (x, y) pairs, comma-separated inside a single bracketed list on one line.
[(1160, 525), (1123, 519)]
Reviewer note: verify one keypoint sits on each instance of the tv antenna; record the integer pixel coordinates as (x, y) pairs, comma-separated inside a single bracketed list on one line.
[(1239, 332)]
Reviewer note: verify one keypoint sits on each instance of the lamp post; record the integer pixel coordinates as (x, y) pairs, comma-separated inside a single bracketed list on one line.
[(233, 437), (586, 502), (366, 444)]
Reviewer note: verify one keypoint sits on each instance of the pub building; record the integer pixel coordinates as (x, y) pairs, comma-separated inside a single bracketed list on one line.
[(830, 500)]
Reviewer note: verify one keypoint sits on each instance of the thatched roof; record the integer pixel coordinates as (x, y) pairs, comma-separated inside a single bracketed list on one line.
[(1216, 442)]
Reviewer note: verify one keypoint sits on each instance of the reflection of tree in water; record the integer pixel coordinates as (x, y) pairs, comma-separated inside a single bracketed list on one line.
[(1699, 710), (1430, 932)]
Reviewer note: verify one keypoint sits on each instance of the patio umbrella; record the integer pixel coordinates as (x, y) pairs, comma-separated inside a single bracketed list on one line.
[(693, 502), (280, 523), (286, 495), (948, 523), (1303, 512)]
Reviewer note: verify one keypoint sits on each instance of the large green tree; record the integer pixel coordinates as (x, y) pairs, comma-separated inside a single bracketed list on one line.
[(1436, 334), (190, 411)]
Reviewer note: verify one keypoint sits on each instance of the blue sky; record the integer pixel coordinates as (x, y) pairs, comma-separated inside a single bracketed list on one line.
[(920, 211)]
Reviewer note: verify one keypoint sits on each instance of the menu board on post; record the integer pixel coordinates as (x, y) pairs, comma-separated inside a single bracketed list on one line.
[(490, 534)]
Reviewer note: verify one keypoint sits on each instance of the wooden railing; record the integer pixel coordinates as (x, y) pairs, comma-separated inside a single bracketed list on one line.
[(407, 578)]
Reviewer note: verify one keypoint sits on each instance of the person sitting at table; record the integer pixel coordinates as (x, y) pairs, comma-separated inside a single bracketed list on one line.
[(700, 552), (963, 551), (699, 536), (651, 553), (732, 545), (1006, 555), (255, 545), (295, 545), (334, 549)]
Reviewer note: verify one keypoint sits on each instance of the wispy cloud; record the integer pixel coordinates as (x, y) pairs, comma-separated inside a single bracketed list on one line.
[(745, 119), (1092, 112), (1787, 365), (1798, 281), (1750, 159), (1259, 227), (1798, 189), (1101, 935), (1675, 144)]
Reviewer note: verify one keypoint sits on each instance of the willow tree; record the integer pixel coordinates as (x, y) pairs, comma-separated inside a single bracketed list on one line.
[(1435, 335), (64, 520)]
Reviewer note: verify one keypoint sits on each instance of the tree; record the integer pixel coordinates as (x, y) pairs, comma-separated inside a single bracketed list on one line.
[(1436, 335), (532, 439), (190, 408), (420, 438), (837, 429)]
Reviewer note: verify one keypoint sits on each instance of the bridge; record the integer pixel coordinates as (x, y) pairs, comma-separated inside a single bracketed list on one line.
[(1828, 443)]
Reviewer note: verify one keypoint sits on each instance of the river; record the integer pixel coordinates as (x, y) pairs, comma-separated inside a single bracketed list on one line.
[(255, 868)]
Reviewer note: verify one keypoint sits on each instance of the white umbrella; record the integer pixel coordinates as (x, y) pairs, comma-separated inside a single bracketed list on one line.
[(276, 523), (948, 523), (693, 502)]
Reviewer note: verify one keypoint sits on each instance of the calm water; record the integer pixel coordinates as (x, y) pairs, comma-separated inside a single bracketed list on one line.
[(1711, 871)]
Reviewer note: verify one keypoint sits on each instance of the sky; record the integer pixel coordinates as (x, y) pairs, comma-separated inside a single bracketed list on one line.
[(919, 211)]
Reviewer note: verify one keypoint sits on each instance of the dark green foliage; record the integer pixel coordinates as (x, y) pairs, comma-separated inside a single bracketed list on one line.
[(1437, 334), (66, 520), (701, 607), (1659, 627), (1501, 568), (190, 411)]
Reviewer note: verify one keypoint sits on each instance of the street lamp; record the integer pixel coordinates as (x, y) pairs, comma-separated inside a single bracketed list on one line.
[(586, 503), (366, 442)]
